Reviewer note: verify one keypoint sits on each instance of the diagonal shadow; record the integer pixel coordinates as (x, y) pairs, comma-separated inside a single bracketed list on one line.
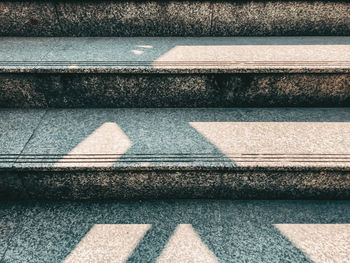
[(235, 231), (152, 244), (156, 137)]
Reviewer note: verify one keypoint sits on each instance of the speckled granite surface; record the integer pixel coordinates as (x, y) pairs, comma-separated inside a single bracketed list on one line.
[(16, 127), (278, 18), (174, 18), (174, 90), (198, 230), (176, 55), (175, 72), (182, 153)]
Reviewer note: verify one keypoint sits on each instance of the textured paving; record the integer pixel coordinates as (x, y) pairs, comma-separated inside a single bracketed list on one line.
[(173, 231), (176, 54), (174, 18), (236, 137), (177, 153), (175, 72)]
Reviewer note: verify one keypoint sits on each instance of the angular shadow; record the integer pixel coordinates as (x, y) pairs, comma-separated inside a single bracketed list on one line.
[(188, 137), (152, 244), (234, 231)]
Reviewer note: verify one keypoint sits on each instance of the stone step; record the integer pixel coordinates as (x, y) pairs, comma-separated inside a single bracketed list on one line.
[(238, 153), (174, 18), (173, 231), (175, 72)]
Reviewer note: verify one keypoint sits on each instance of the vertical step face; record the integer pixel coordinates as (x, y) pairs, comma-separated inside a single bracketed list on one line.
[(165, 90), (174, 18), (175, 72)]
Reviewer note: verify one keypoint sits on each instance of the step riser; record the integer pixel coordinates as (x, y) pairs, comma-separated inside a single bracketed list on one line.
[(95, 185), (174, 90), (174, 18)]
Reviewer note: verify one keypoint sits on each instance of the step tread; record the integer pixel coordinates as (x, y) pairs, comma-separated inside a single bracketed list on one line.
[(176, 231), (175, 138), (175, 54)]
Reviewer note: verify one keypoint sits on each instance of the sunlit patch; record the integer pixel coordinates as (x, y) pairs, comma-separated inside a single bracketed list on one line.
[(255, 53), (108, 243), (274, 138), (320, 242), (145, 164), (185, 245), (137, 52), (145, 46), (101, 148), (73, 66)]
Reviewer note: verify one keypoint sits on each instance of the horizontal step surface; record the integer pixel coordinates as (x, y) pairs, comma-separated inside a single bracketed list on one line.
[(174, 231), (151, 153), (176, 55), (174, 18), (175, 72)]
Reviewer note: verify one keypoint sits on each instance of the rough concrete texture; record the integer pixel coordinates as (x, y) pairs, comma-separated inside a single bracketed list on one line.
[(196, 231), (175, 72), (176, 55), (182, 153), (174, 18), (174, 90)]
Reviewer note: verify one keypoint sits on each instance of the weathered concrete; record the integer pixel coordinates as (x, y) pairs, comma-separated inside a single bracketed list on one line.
[(174, 18), (197, 230), (175, 72), (183, 153)]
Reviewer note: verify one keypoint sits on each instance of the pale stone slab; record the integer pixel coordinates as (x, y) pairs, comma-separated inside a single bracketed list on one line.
[(108, 243), (230, 54), (184, 153), (319, 242), (190, 137), (231, 230)]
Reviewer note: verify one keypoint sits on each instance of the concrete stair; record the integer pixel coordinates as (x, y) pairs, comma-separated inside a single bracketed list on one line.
[(174, 99), (174, 18), (175, 72), (253, 231), (238, 153)]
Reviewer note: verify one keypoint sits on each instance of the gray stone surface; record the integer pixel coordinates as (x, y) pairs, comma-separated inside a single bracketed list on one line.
[(29, 90), (233, 231), (140, 18), (288, 184), (176, 55), (184, 153), (193, 72), (174, 18), (283, 90), (10, 224), (11, 187), (126, 137), (110, 184), (28, 18), (280, 18), (25, 50), (208, 183), (174, 90), (16, 128), (190, 137)]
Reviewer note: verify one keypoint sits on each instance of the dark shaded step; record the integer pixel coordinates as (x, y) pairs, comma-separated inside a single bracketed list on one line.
[(175, 153), (174, 18), (175, 72)]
